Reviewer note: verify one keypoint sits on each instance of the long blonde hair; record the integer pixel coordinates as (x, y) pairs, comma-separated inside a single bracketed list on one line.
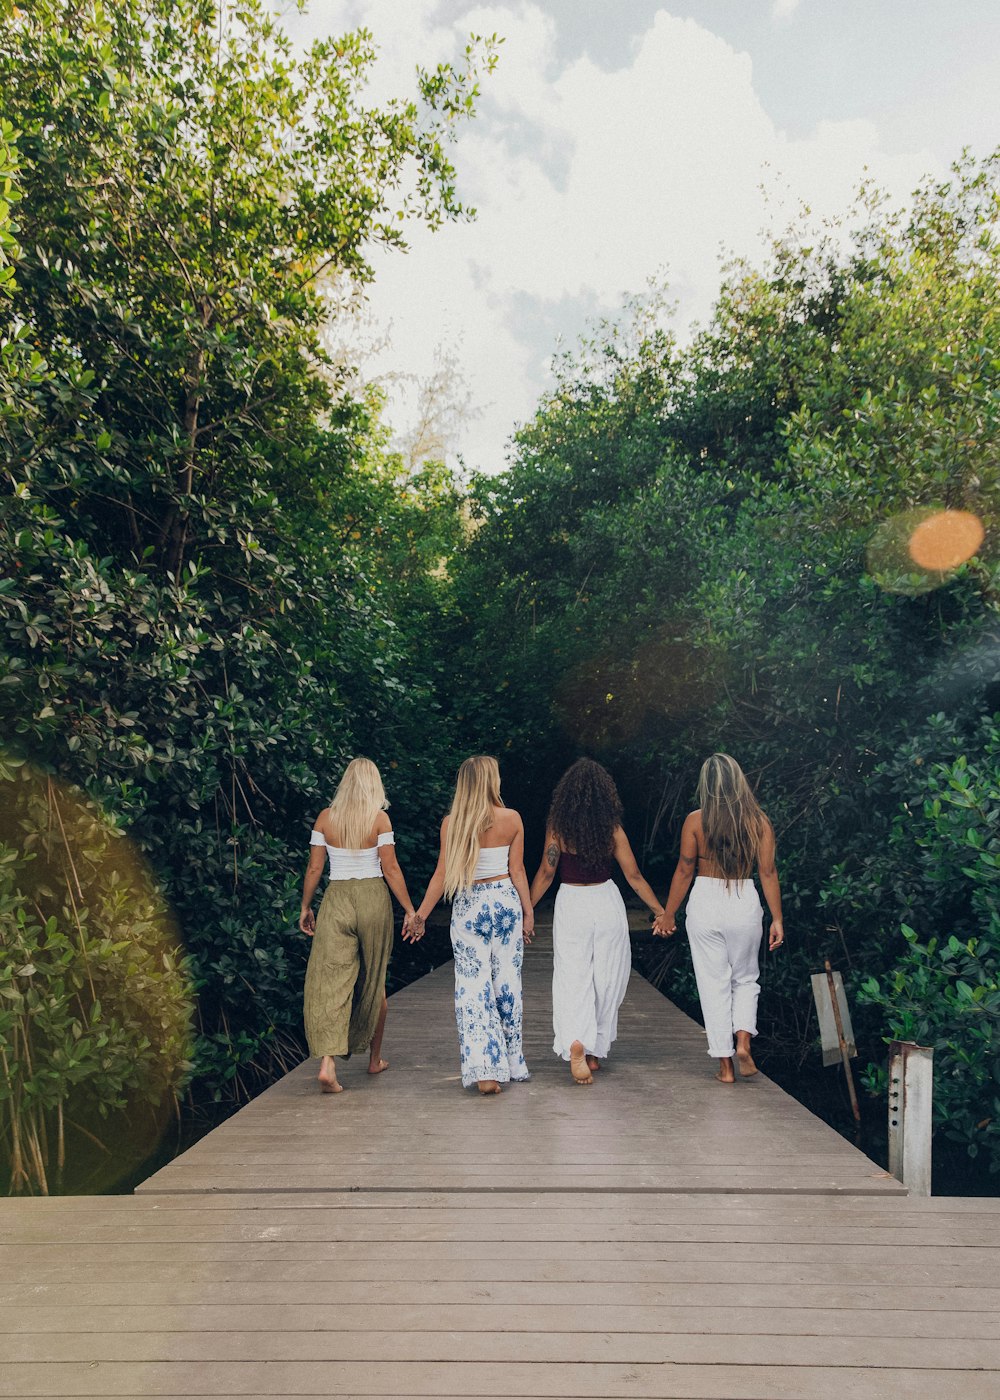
[(731, 817), (477, 794), (358, 800)]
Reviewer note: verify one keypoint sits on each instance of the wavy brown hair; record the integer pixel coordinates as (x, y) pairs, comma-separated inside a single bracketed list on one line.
[(731, 817), (586, 810)]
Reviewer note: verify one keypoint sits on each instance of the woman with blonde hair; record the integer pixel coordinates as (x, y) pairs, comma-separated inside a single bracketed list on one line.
[(481, 869), (354, 925), (592, 954), (721, 843)]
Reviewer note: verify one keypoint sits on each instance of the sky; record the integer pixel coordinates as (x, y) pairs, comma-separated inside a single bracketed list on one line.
[(620, 141)]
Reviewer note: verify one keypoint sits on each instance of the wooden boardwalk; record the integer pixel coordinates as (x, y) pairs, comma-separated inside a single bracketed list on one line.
[(656, 1234)]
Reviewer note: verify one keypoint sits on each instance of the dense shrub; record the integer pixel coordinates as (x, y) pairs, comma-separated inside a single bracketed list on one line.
[(96, 1003)]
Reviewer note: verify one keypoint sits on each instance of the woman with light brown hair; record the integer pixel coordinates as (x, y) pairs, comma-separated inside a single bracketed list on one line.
[(481, 869), (721, 843), (354, 926)]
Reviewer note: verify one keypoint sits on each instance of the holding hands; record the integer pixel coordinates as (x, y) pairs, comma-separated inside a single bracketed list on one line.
[(664, 925), (414, 927)]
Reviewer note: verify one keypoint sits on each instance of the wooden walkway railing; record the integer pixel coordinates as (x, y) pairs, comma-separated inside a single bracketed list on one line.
[(656, 1234)]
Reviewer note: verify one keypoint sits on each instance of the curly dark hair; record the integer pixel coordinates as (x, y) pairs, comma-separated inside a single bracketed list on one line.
[(585, 811)]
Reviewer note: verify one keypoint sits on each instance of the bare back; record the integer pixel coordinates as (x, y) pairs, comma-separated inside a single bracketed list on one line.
[(506, 825), (695, 854), (325, 824)]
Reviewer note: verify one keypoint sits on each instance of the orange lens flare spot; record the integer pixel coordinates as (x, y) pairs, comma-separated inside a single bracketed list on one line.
[(946, 540)]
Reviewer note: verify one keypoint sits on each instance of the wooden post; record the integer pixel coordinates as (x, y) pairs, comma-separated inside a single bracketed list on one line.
[(845, 1051), (911, 1083)]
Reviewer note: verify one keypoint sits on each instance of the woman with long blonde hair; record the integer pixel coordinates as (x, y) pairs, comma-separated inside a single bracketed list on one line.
[(354, 925), (721, 844), (481, 869)]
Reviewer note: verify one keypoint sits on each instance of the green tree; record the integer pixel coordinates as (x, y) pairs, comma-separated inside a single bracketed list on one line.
[(737, 574), (200, 624)]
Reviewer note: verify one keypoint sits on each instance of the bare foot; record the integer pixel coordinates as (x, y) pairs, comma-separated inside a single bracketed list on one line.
[(578, 1066), (726, 1074), (328, 1076), (377, 1066), (593, 1062), (743, 1055), (489, 1086)]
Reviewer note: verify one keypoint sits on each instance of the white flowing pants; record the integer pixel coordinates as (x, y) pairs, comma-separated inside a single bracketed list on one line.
[(592, 960), (724, 928)]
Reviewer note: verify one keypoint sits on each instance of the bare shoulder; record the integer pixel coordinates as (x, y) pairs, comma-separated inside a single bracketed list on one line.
[(382, 823), (692, 837), (508, 822), (323, 823)]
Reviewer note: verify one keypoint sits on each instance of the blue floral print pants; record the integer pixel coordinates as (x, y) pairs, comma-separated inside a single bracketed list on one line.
[(488, 945)]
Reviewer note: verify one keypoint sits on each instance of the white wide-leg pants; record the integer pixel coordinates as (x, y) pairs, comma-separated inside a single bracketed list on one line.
[(592, 960), (724, 928)]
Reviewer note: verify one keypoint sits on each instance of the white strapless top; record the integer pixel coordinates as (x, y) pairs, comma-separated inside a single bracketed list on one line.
[(492, 864), (363, 864)]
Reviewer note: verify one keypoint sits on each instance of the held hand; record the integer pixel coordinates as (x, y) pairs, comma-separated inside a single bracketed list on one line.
[(413, 927), (777, 935), (307, 922), (664, 925), (528, 926)]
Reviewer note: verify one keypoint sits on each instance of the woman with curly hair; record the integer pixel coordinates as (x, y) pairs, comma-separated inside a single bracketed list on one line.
[(481, 869), (592, 956), (723, 841)]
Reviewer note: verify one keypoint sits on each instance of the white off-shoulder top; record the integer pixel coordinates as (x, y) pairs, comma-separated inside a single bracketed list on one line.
[(492, 864), (363, 864)]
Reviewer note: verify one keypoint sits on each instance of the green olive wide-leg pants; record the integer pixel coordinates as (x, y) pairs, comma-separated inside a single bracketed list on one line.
[(353, 927)]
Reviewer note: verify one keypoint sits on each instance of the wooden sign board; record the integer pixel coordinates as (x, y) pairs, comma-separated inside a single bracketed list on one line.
[(827, 1019)]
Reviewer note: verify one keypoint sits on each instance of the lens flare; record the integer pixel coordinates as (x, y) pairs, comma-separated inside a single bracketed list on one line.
[(946, 540), (97, 995), (918, 550)]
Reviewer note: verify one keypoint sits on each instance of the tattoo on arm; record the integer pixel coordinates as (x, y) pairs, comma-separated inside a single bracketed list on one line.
[(552, 855)]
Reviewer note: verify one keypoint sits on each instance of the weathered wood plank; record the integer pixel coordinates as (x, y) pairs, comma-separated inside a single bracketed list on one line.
[(590, 1380), (541, 1345), (74, 1333), (177, 1265)]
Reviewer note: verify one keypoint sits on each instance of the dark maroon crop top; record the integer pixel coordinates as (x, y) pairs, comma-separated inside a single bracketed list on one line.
[(574, 871)]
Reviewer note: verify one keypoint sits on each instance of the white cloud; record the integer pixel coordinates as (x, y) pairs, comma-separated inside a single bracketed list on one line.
[(587, 181), (784, 9)]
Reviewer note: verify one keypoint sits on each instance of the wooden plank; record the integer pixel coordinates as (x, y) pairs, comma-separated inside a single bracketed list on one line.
[(539, 1346), (358, 1330), (476, 1309), (589, 1381), (898, 1211), (177, 1264), (517, 1228)]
